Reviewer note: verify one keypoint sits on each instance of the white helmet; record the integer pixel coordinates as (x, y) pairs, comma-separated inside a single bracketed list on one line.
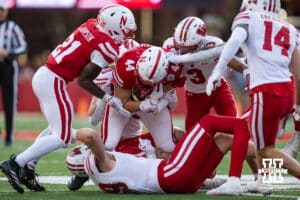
[(271, 7), (117, 21), (75, 160), (152, 66), (190, 33), (151, 70)]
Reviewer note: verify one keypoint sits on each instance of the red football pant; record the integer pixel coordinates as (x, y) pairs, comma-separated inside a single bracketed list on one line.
[(239, 129), (199, 105), (266, 112)]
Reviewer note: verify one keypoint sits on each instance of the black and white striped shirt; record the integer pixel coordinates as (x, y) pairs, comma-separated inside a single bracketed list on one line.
[(12, 39)]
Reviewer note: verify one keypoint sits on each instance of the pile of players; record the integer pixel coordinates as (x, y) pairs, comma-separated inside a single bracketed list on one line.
[(134, 85)]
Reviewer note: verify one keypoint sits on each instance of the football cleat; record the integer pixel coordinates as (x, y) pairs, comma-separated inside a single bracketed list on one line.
[(231, 187), (211, 183), (259, 187), (11, 170), (290, 148), (290, 151), (30, 179), (76, 182)]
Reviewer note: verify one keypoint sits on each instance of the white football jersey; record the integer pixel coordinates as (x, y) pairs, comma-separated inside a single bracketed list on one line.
[(130, 174), (268, 47), (198, 73)]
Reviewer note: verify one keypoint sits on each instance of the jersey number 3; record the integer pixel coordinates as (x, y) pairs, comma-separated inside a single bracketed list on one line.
[(66, 48), (281, 39)]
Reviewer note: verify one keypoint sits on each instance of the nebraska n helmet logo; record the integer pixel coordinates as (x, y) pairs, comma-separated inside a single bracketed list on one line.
[(123, 20)]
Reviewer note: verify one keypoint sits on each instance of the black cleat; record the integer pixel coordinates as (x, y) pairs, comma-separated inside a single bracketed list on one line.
[(11, 170), (30, 179), (77, 182)]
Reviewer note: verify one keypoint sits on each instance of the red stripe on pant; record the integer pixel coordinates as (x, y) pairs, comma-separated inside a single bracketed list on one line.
[(58, 92), (67, 103)]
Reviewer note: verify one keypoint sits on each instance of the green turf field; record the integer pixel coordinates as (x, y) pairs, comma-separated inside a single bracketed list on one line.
[(54, 165)]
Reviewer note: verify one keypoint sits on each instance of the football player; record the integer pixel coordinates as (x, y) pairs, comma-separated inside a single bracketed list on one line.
[(270, 47), (90, 48), (190, 36), (138, 77), (183, 172), (105, 81)]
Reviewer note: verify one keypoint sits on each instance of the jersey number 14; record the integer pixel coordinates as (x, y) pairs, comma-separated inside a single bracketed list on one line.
[(281, 39)]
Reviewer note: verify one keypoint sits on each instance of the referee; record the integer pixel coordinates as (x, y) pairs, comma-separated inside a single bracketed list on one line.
[(12, 44)]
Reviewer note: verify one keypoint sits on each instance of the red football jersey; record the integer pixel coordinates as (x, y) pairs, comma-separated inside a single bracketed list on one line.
[(125, 70), (69, 58)]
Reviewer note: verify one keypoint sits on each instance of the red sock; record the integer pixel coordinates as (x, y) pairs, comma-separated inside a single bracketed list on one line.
[(239, 148)]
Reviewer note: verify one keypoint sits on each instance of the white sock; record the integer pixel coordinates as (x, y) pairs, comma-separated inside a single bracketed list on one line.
[(255, 176), (297, 142), (41, 146), (233, 179), (31, 164)]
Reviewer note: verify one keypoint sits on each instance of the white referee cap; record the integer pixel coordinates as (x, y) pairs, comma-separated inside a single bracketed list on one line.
[(3, 4)]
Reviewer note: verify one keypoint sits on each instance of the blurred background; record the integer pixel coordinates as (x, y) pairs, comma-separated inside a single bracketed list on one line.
[(46, 23)]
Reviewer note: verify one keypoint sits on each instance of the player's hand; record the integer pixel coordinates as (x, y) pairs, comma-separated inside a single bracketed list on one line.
[(113, 102), (172, 98), (296, 116), (98, 113), (148, 106), (122, 113), (157, 94), (162, 104), (212, 82)]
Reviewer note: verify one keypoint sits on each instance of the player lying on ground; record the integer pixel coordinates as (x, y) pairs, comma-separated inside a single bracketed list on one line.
[(183, 172)]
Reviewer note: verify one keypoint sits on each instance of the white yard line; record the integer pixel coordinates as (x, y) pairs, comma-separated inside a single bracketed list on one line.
[(272, 195), (287, 181)]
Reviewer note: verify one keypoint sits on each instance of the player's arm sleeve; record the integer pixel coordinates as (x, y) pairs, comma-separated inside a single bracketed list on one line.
[(98, 59), (197, 56), (238, 36)]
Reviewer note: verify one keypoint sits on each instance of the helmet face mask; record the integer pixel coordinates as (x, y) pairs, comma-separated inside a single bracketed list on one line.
[(186, 49), (140, 91), (270, 7), (118, 22), (190, 34)]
